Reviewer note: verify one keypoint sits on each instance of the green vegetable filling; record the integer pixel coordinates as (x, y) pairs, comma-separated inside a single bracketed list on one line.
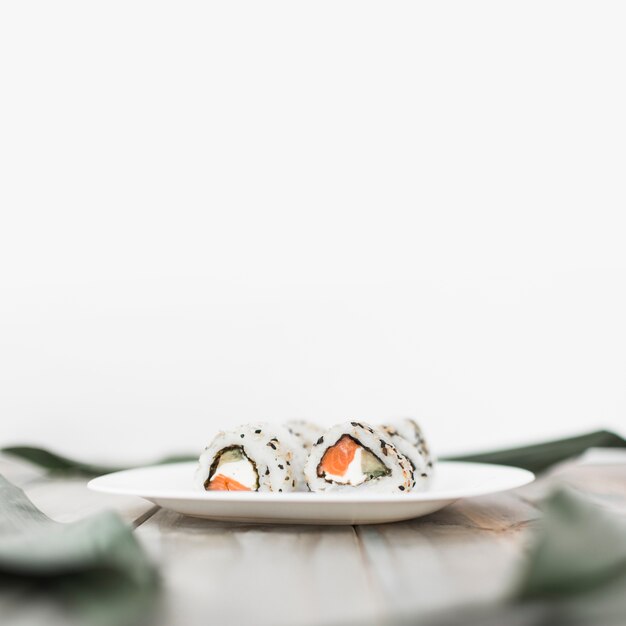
[(372, 466)]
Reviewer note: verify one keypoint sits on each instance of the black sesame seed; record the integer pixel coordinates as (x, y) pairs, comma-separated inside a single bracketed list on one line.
[(288, 463), (271, 445), (280, 490), (281, 466), (242, 435), (430, 464), (257, 431), (424, 475), (267, 471), (355, 424), (286, 477), (293, 483), (319, 441), (401, 488)]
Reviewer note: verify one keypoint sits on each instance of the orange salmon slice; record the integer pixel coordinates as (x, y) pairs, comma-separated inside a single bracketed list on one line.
[(223, 483), (338, 457)]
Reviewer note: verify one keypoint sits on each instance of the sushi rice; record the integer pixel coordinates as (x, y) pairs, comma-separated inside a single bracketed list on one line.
[(300, 456), (353, 456), (306, 432), (253, 457), (407, 436)]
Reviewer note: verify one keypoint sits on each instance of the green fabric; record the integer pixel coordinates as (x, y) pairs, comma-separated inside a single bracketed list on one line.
[(541, 456), (578, 547), (94, 569)]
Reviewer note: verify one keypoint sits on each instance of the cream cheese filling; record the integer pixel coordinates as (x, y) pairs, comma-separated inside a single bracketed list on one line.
[(237, 466)]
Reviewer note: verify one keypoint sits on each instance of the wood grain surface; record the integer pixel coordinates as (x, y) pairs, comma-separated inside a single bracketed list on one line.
[(233, 574)]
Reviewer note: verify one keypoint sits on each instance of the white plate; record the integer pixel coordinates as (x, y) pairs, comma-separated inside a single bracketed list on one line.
[(171, 486)]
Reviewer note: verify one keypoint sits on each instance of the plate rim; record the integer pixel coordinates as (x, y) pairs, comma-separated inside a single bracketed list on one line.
[(522, 477)]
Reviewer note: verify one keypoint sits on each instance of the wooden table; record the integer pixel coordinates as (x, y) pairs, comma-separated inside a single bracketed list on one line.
[(234, 574)]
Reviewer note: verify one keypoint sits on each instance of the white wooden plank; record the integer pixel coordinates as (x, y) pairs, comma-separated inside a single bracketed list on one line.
[(604, 484), (17, 471), (234, 574), (66, 498), (469, 552), (498, 512)]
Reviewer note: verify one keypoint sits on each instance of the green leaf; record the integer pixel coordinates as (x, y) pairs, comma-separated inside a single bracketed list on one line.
[(94, 569), (61, 464), (539, 457)]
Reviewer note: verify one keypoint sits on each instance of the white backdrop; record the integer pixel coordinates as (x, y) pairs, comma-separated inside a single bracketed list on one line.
[(218, 213)]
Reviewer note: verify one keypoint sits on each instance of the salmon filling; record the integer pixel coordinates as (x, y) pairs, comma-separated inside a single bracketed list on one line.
[(350, 463), (232, 470)]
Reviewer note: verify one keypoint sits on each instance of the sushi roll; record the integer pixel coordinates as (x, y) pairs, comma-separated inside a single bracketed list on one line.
[(306, 432), (253, 457), (408, 437), (353, 456)]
